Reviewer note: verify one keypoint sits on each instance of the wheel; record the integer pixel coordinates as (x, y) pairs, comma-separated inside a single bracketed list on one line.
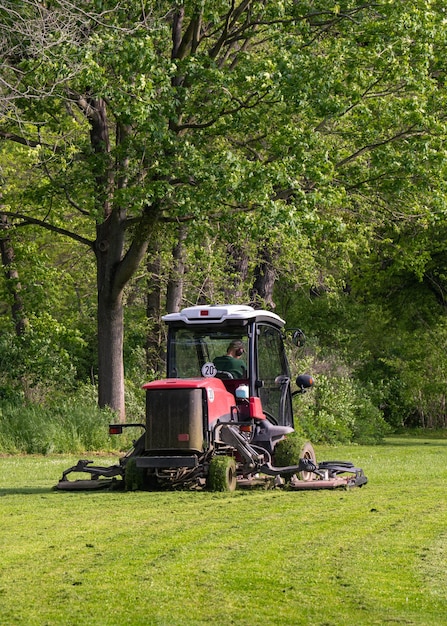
[(290, 450), (222, 474), (133, 476), (307, 452)]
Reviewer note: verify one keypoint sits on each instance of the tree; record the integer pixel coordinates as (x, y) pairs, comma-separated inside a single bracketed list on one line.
[(142, 77), (142, 116)]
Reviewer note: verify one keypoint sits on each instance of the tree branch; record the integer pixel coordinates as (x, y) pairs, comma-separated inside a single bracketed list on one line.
[(27, 221), (242, 105), (30, 143), (368, 148)]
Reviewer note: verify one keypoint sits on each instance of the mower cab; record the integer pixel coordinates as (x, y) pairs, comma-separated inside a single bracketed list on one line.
[(223, 416)]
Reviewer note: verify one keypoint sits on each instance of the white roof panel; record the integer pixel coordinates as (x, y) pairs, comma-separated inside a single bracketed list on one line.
[(216, 314)]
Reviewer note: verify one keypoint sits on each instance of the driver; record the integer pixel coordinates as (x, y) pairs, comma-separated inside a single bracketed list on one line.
[(231, 362)]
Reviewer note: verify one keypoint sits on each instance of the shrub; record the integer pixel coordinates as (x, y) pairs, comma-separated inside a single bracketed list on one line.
[(339, 410), (65, 425)]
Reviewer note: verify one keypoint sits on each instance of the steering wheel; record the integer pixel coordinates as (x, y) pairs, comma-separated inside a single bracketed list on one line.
[(223, 375)]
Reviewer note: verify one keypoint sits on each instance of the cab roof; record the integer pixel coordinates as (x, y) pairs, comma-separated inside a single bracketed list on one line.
[(221, 313)]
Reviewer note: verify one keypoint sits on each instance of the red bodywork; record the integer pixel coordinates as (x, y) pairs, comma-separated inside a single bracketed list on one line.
[(221, 400), (221, 403)]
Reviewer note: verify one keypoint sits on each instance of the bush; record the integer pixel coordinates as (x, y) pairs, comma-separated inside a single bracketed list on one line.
[(339, 410), (40, 361), (68, 425)]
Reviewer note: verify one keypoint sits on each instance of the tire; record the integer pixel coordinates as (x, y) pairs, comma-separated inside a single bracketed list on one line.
[(222, 474), (290, 450), (133, 476), (307, 452)]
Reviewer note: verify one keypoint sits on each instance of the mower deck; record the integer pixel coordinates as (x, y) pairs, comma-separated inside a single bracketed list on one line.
[(328, 475)]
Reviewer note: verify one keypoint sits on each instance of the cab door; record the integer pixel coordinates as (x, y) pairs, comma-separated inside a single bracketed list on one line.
[(273, 375)]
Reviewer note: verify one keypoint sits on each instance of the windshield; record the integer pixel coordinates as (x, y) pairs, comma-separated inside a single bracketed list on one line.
[(192, 352)]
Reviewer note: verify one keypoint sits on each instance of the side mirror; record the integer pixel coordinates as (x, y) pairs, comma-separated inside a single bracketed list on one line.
[(304, 382), (299, 338)]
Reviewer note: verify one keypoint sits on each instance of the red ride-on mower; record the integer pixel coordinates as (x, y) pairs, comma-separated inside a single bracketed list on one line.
[(223, 416)]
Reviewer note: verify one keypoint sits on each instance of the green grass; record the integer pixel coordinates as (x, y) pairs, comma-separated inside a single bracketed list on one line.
[(374, 555)]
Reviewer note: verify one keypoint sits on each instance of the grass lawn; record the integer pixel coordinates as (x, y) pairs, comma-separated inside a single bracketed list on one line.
[(374, 555)]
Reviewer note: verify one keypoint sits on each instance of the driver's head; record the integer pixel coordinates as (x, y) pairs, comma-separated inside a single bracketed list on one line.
[(236, 349)]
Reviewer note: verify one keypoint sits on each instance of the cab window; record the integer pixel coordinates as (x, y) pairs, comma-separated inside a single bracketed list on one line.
[(273, 372)]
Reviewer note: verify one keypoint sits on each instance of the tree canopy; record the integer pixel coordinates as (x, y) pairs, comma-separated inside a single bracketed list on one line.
[(235, 141)]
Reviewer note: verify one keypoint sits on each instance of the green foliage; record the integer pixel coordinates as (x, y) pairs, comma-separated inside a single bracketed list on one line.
[(390, 350), (342, 406), (45, 356), (338, 410), (316, 132), (72, 424)]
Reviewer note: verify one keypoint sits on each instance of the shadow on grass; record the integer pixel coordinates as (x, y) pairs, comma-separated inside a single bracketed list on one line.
[(16, 491)]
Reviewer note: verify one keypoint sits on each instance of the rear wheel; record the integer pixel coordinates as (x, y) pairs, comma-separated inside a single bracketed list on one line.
[(307, 452), (290, 450), (133, 476), (222, 474)]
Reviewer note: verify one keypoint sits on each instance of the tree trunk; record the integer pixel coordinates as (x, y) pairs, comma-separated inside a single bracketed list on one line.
[(237, 261), (110, 354), (115, 265), (264, 281), (174, 293), (12, 277), (109, 250), (113, 273), (154, 352)]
